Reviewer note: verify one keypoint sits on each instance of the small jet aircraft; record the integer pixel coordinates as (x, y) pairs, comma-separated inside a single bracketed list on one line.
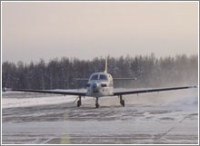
[(100, 84)]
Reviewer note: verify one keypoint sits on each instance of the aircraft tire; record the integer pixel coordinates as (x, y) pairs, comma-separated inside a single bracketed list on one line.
[(78, 103), (97, 105), (122, 103)]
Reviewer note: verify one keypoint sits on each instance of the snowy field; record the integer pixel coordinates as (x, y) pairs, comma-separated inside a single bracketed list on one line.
[(164, 118)]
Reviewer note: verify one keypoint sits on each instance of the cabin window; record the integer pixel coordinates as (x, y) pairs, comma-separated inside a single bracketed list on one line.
[(94, 77), (103, 77)]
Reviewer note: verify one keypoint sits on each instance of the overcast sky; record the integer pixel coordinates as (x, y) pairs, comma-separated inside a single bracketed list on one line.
[(34, 30)]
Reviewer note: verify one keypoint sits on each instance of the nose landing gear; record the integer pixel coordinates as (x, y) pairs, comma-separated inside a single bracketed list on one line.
[(97, 104)]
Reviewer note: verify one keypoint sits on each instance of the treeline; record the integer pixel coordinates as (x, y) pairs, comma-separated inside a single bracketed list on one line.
[(60, 73)]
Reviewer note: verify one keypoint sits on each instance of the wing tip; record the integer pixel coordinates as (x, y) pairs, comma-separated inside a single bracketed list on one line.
[(194, 86)]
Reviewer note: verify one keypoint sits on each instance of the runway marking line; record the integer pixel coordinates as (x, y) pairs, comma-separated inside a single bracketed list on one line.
[(65, 139)]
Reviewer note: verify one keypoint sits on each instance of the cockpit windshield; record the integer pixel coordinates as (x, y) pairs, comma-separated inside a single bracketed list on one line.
[(94, 77), (99, 77), (103, 77)]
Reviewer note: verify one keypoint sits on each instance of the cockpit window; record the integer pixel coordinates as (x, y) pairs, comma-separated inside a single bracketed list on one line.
[(94, 77), (103, 77)]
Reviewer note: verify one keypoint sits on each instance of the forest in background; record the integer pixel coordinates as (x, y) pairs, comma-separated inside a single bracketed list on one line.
[(60, 73)]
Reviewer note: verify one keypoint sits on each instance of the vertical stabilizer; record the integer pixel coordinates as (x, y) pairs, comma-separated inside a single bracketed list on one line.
[(106, 66)]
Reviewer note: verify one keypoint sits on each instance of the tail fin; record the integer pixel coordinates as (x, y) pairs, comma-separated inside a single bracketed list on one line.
[(106, 65)]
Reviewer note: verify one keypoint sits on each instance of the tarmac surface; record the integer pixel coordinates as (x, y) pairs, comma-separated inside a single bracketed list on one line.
[(164, 118)]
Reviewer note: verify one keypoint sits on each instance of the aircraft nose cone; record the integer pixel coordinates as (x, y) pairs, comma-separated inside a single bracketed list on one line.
[(94, 85)]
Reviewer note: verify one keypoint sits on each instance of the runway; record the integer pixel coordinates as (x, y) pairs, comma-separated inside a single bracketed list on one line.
[(164, 118)]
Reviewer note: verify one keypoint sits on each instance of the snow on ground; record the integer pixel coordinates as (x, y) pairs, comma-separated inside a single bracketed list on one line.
[(32, 99), (28, 102), (168, 117)]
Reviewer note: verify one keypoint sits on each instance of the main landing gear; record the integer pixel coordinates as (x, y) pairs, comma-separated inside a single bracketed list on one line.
[(79, 101), (122, 102), (97, 103)]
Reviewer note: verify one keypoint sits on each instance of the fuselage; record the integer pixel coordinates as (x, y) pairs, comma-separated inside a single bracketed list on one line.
[(100, 84)]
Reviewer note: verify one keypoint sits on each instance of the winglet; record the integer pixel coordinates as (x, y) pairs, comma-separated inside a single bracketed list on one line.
[(106, 65)]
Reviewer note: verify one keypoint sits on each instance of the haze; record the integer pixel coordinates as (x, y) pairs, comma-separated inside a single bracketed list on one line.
[(46, 30)]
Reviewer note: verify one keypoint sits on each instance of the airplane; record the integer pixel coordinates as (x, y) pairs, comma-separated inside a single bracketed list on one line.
[(100, 84)]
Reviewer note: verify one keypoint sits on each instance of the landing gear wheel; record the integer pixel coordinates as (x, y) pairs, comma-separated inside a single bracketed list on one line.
[(78, 103), (97, 105), (122, 102)]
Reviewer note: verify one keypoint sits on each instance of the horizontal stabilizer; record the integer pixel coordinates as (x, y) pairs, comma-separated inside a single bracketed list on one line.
[(81, 79), (124, 78)]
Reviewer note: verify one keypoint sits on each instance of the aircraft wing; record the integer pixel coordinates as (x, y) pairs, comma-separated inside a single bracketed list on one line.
[(150, 90), (55, 91)]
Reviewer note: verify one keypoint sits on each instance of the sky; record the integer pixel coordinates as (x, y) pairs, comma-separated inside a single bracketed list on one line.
[(46, 30)]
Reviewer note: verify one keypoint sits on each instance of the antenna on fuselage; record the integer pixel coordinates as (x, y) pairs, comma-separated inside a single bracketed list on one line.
[(106, 65)]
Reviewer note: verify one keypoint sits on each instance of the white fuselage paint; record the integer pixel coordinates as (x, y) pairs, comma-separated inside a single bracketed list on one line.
[(100, 84)]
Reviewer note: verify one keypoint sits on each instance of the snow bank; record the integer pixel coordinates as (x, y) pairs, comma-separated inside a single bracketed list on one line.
[(27, 102)]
